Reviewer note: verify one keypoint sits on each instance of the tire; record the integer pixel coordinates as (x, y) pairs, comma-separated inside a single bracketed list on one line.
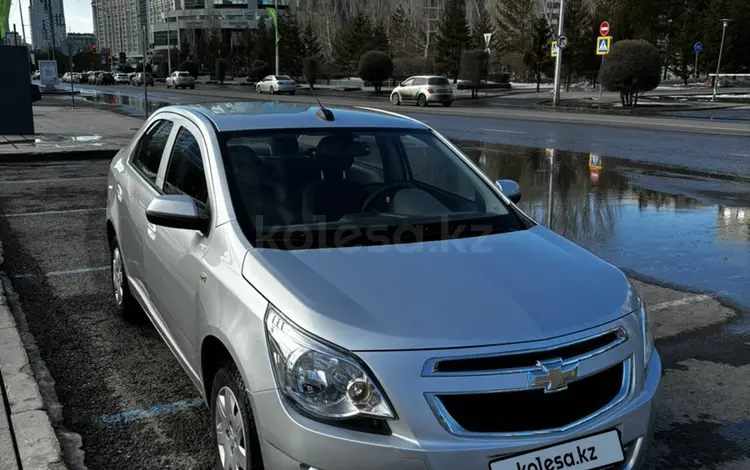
[(447, 103), (167, 86), (422, 101), (228, 383), (396, 99), (126, 305), (273, 91)]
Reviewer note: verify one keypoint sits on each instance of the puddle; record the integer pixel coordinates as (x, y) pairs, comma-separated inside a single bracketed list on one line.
[(130, 105), (685, 228)]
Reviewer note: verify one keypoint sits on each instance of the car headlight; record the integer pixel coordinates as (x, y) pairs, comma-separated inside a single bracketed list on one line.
[(321, 380), (648, 339)]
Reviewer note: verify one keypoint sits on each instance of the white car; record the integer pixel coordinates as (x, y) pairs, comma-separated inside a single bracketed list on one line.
[(276, 84), (121, 78), (180, 79)]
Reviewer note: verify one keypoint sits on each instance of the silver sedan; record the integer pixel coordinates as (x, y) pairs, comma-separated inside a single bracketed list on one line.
[(346, 289), (276, 84)]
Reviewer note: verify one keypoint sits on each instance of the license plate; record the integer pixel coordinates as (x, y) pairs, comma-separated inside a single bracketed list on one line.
[(588, 453)]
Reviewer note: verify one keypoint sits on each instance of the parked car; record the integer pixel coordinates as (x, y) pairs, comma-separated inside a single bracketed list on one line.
[(83, 77), (67, 77), (180, 79), (347, 286), (139, 78), (423, 90), (105, 78), (276, 84), (93, 77), (121, 78)]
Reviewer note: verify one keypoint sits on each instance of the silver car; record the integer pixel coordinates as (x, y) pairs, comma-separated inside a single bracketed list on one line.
[(423, 90), (276, 84), (180, 79), (346, 289)]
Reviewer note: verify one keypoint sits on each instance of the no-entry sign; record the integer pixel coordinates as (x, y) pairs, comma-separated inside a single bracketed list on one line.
[(604, 29)]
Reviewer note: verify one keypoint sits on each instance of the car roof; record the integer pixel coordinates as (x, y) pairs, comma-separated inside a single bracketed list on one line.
[(260, 115)]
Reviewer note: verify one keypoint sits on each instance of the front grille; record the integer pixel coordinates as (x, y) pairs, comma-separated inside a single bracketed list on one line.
[(528, 359), (534, 410)]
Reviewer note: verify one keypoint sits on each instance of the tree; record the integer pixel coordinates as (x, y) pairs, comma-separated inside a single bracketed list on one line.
[(398, 32), (310, 41), (632, 68), (376, 67), (221, 70), (380, 41), (190, 67), (482, 24), (518, 31), (353, 39), (539, 56), (453, 37), (474, 67), (258, 70), (404, 68), (577, 30), (264, 41), (184, 52), (291, 48), (310, 70), (682, 37)]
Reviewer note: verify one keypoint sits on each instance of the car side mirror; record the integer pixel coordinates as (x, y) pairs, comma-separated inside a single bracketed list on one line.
[(176, 211), (510, 189)]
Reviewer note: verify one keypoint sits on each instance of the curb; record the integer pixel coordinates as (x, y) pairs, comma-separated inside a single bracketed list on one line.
[(29, 427), (59, 155)]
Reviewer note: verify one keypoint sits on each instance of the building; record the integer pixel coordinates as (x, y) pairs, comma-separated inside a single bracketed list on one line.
[(47, 23), (13, 38), (81, 41), (121, 25)]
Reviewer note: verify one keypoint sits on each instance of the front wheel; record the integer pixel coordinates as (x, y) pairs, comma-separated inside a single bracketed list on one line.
[(395, 99), (125, 303), (234, 432)]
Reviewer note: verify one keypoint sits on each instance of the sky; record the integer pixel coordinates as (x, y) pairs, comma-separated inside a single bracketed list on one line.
[(77, 16)]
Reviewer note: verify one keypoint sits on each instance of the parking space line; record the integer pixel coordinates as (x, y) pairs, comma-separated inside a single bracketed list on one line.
[(502, 131), (63, 273), (56, 180), (67, 211), (154, 411), (679, 302)]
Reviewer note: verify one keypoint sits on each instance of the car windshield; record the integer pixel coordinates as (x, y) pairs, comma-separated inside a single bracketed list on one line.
[(438, 81), (183, 74), (348, 187)]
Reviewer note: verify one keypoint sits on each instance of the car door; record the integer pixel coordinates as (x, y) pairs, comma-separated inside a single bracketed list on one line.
[(173, 257), (405, 90), (419, 82), (136, 191)]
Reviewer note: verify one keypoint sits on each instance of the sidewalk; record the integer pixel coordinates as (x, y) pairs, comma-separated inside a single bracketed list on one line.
[(61, 128), (26, 433)]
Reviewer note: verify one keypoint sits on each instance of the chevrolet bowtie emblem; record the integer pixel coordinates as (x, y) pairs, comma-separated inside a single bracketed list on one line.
[(553, 375)]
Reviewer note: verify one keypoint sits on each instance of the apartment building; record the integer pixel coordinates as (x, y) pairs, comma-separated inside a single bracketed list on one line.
[(47, 23)]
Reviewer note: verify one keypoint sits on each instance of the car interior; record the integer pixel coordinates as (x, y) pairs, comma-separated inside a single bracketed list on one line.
[(291, 178)]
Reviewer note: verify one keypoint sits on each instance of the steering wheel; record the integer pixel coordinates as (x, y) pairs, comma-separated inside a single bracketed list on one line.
[(388, 189)]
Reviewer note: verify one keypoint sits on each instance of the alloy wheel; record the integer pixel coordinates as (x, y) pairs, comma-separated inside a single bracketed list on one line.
[(230, 431), (117, 275)]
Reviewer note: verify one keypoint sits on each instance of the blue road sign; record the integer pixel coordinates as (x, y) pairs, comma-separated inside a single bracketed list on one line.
[(698, 47)]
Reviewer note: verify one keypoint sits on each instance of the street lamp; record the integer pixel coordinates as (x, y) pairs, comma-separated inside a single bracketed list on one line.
[(165, 18), (725, 22)]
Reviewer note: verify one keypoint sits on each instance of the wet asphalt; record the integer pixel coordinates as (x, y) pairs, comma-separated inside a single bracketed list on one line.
[(667, 225)]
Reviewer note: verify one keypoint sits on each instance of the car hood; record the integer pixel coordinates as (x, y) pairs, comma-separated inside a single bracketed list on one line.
[(500, 289)]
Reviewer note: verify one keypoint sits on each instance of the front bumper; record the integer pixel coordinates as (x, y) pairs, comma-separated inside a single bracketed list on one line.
[(291, 441)]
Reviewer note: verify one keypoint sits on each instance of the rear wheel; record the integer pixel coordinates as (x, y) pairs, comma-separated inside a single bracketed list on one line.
[(126, 305), (422, 101), (234, 433)]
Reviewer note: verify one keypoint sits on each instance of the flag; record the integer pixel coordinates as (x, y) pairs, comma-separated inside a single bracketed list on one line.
[(4, 17), (271, 12)]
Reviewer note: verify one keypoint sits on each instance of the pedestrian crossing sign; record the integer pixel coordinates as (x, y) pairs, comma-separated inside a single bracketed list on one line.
[(555, 49), (602, 45)]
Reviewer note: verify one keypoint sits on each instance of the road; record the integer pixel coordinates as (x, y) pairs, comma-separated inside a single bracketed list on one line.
[(134, 407)]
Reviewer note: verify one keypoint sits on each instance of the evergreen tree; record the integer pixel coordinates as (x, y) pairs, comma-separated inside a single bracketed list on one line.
[(291, 48), (380, 40), (482, 24), (310, 41), (453, 37), (539, 57), (577, 29), (352, 40), (264, 41), (521, 31), (398, 31)]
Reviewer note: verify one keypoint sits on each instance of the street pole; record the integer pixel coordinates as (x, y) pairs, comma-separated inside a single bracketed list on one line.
[(695, 70), (143, 71), (725, 21), (169, 47), (70, 65), (558, 60), (276, 31)]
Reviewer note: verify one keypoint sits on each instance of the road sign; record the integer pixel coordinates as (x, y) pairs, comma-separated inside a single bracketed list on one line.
[(604, 29), (554, 49), (698, 47), (562, 42), (66, 46), (595, 162), (603, 45), (487, 37)]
